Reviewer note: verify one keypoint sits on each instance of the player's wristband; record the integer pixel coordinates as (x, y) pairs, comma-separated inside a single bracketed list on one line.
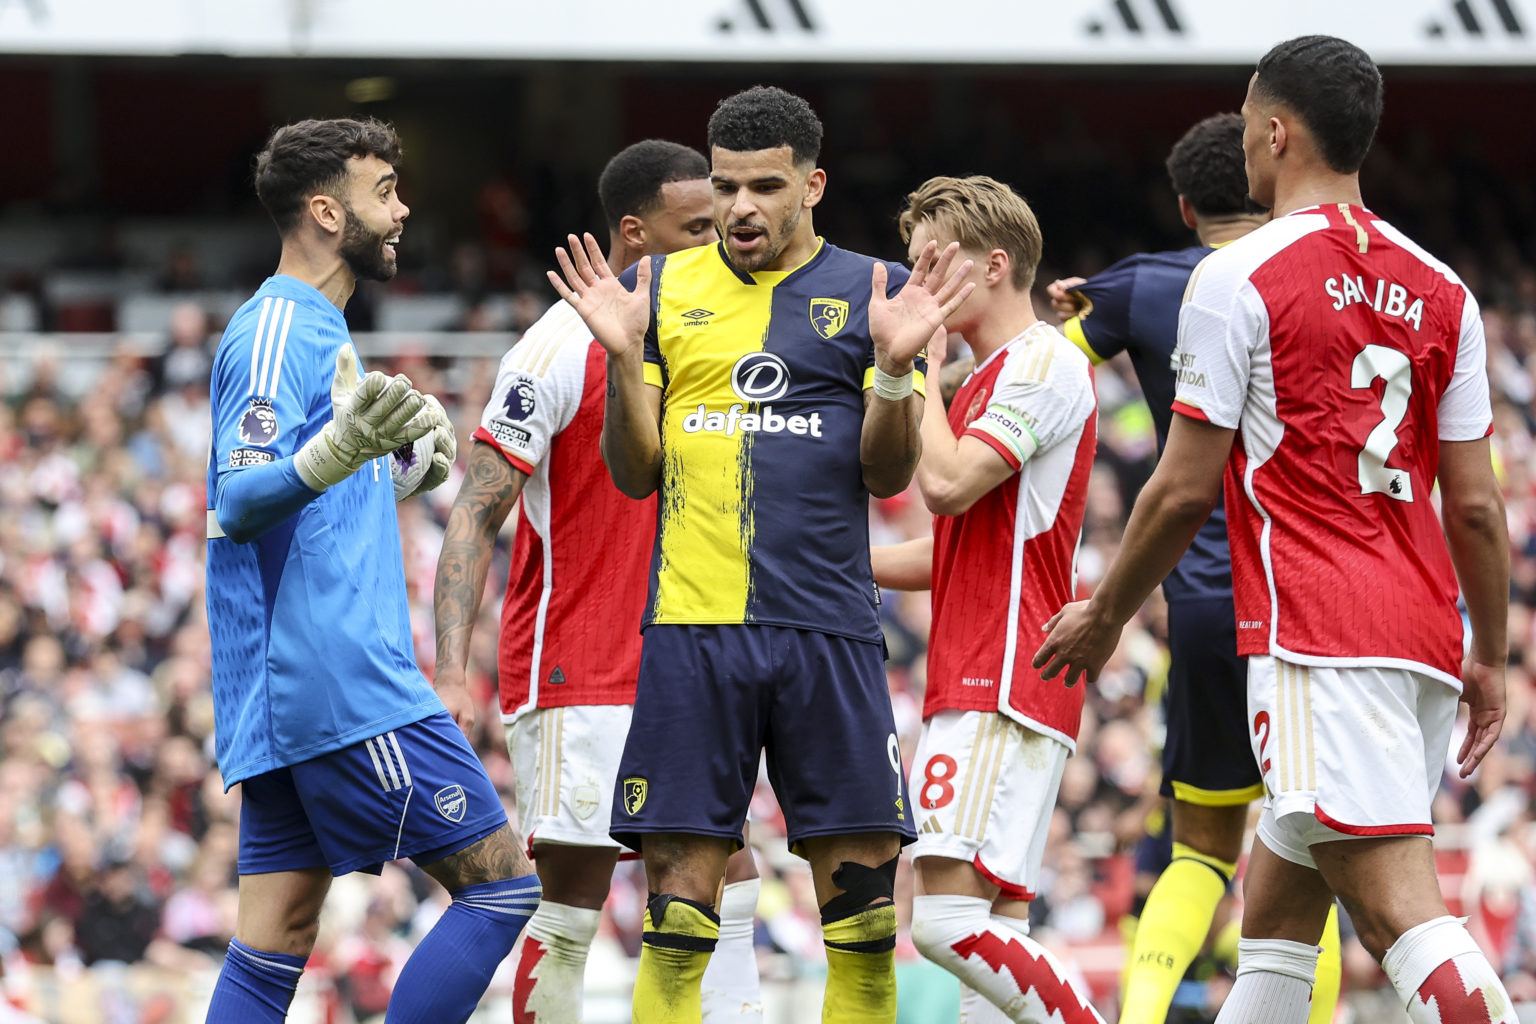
[(893, 389)]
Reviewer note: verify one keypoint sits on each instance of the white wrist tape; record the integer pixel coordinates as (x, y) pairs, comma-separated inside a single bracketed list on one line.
[(893, 389)]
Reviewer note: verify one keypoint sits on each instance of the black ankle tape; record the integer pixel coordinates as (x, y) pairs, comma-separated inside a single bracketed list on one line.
[(884, 945), (863, 887)]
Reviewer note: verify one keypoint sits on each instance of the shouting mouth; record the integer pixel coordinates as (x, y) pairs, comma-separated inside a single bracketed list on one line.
[(747, 237)]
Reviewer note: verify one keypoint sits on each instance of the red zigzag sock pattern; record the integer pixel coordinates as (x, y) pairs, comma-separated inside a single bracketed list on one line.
[(1449, 991), (1029, 971), (522, 984)]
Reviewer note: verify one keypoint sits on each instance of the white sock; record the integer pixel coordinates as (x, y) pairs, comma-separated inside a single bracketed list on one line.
[(1444, 977), (551, 958), (1274, 983), (730, 986), (998, 960)]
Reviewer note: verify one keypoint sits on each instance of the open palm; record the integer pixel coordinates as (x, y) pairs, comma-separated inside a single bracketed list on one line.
[(902, 324), (617, 317)]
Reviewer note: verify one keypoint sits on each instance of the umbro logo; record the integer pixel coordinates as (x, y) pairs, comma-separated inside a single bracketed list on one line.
[(697, 317)]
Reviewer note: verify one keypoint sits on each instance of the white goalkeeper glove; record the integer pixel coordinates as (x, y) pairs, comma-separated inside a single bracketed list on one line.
[(424, 464), (369, 418)]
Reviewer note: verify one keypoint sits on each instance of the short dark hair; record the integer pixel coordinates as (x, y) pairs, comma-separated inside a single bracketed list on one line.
[(631, 183), (766, 117), (1206, 167), (1334, 87), (306, 158)]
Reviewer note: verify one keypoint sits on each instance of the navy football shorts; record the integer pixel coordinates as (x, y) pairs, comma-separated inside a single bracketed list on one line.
[(418, 791), (710, 699), (1207, 758)]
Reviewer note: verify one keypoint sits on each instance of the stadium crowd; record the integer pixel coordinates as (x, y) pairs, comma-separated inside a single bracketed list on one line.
[(118, 842)]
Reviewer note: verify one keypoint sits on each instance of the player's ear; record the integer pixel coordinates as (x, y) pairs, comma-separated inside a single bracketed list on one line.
[(1187, 211), (815, 187), (632, 230), (327, 213), (1279, 137), (999, 268)]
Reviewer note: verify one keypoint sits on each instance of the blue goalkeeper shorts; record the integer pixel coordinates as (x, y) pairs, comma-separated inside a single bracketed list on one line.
[(418, 791)]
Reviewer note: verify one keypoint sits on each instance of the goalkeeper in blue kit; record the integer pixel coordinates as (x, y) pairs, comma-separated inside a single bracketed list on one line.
[(344, 755)]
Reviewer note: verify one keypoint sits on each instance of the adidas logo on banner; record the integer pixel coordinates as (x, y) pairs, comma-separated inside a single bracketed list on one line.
[(1482, 19), (768, 16), (1139, 18)]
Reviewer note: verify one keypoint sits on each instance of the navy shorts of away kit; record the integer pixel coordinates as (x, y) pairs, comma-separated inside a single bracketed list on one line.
[(1207, 758), (418, 791), (711, 698)]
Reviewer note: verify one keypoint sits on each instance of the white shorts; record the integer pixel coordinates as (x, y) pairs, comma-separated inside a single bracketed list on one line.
[(1348, 752), (564, 762), (984, 787)]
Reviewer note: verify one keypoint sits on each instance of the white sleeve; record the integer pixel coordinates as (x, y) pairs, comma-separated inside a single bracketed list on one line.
[(1220, 325), (1466, 412), (538, 389), (1044, 395)]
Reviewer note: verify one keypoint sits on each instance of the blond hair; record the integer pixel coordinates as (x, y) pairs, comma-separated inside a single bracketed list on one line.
[(982, 214)]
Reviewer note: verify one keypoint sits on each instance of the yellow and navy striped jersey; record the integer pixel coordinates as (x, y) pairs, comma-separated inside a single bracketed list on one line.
[(763, 516)]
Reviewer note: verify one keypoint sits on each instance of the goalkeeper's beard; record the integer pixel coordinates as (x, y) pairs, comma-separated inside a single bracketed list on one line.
[(363, 251)]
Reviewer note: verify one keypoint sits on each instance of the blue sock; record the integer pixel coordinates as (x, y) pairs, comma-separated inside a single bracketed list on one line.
[(254, 987), (451, 967)]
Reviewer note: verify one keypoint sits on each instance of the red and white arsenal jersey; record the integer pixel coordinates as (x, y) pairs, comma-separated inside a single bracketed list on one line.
[(581, 556), (1343, 354), (1002, 568)]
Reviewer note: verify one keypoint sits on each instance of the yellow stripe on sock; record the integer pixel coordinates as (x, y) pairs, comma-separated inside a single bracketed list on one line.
[(861, 986)]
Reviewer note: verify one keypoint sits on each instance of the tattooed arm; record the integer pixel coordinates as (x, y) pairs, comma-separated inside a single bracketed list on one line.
[(487, 495), (952, 376)]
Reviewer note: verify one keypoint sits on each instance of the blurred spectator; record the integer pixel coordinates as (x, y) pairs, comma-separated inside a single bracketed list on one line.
[(188, 358)]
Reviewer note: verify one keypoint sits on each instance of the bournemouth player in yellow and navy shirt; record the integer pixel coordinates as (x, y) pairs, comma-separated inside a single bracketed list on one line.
[(764, 387)]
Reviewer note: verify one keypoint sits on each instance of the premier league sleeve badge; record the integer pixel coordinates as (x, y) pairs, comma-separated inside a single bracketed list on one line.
[(259, 424)]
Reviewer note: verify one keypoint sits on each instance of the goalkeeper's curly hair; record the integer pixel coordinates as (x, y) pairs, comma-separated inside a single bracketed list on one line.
[(308, 158), (766, 117), (1206, 167)]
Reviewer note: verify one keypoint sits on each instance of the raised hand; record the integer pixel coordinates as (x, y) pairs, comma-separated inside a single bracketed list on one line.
[(369, 418), (1066, 300), (902, 325), (617, 317)]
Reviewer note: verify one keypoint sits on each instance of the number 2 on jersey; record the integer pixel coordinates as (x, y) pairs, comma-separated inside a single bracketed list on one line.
[(1376, 477)]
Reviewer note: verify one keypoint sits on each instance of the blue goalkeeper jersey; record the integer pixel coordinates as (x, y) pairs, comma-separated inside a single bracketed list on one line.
[(309, 624)]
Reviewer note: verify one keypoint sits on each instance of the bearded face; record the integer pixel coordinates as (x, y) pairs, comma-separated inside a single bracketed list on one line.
[(367, 252)]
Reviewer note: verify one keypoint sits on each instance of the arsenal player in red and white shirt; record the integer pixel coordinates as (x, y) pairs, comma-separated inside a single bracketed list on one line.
[(1006, 472), (569, 649), (1336, 371)]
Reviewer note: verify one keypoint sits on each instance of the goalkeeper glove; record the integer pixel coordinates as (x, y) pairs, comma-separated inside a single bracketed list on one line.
[(424, 464), (369, 418)]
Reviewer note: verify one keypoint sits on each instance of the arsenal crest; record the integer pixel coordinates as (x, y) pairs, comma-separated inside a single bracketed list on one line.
[(635, 791), (828, 316), (451, 802)]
